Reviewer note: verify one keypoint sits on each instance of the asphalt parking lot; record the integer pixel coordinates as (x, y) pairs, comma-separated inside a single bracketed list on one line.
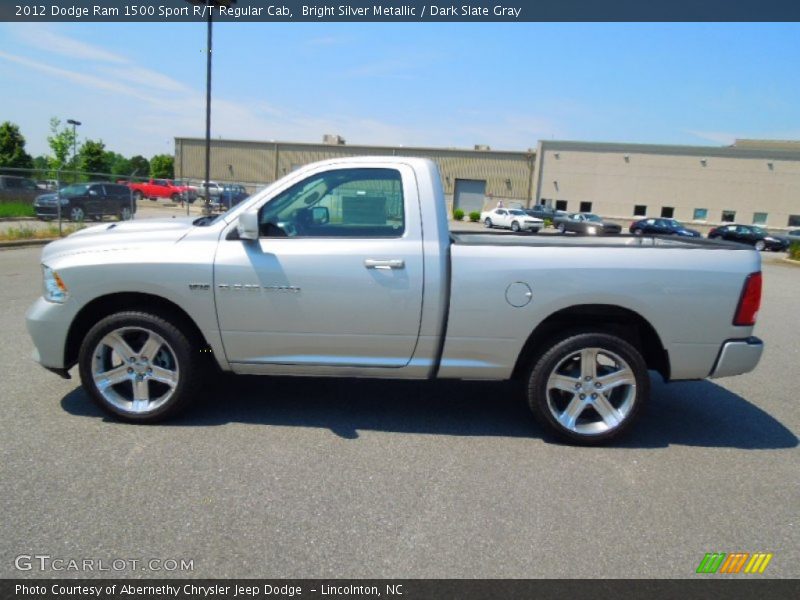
[(341, 478)]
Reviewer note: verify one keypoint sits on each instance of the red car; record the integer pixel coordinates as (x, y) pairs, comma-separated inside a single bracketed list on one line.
[(162, 188)]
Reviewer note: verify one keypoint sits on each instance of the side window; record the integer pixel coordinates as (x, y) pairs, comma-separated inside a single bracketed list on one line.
[(341, 203), (97, 189)]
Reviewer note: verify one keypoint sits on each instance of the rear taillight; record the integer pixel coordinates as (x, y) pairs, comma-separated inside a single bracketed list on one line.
[(749, 302)]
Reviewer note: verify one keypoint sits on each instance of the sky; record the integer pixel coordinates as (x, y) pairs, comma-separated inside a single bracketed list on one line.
[(137, 86)]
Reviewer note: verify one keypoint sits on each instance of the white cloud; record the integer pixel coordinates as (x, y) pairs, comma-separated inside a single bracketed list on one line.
[(44, 38)]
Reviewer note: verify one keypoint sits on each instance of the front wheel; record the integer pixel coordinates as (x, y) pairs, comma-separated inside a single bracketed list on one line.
[(488, 223), (137, 195), (637, 232), (140, 367), (175, 197), (589, 387), (515, 227), (562, 228)]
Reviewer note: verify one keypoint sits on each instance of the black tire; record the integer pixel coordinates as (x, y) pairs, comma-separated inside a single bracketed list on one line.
[(637, 231), (562, 229), (544, 402), (488, 223), (190, 364), (760, 245), (125, 214), (515, 227), (77, 214), (175, 197), (137, 195)]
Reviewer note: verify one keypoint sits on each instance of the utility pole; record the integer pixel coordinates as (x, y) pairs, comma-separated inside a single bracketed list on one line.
[(74, 124)]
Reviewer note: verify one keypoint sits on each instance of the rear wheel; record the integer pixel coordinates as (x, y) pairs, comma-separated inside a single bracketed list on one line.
[(76, 213), (562, 228), (488, 223), (515, 227), (125, 213), (175, 197), (137, 195), (589, 387), (760, 245), (140, 367), (637, 232)]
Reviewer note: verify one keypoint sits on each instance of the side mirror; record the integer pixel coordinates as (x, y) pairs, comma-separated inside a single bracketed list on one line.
[(247, 226), (320, 215)]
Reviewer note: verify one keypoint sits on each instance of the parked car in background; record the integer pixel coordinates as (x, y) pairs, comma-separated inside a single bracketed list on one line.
[(790, 237), (511, 218), (162, 188), (231, 195), (214, 190), (753, 235), (18, 189), (47, 184), (81, 201), (661, 227), (585, 224), (540, 211)]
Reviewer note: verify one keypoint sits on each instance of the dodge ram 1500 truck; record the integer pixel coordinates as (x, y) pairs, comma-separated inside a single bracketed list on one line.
[(346, 268)]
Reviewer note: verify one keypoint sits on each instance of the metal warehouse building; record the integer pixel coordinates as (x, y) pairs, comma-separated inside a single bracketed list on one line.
[(753, 181), (469, 177)]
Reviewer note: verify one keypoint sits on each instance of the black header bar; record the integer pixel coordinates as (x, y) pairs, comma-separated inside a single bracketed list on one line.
[(355, 11)]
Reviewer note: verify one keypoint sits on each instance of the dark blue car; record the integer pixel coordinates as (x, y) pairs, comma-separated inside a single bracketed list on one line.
[(660, 226)]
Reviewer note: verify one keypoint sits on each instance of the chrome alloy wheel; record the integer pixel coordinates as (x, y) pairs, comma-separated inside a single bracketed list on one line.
[(135, 369), (591, 391)]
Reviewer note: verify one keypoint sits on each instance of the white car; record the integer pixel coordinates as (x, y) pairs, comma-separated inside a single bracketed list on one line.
[(511, 218)]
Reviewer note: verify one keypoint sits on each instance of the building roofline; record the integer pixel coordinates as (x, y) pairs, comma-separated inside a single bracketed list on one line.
[(667, 149), (321, 145)]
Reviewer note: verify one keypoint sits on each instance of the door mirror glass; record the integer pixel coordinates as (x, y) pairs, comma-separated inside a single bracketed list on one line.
[(247, 226), (320, 215)]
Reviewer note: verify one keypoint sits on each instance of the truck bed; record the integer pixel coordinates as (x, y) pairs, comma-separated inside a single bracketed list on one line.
[(471, 238)]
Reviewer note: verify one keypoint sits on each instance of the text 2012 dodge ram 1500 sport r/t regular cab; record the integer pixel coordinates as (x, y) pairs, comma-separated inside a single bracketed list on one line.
[(347, 268)]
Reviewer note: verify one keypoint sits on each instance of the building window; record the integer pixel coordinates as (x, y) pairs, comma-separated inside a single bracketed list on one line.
[(728, 216), (640, 210), (794, 221), (700, 214), (586, 207), (667, 212), (759, 218), (561, 205)]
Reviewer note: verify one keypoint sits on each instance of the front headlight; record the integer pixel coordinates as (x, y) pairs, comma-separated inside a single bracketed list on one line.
[(591, 230), (64, 200), (55, 290)]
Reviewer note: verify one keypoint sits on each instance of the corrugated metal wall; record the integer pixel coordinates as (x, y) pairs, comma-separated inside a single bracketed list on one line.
[(508, 175)]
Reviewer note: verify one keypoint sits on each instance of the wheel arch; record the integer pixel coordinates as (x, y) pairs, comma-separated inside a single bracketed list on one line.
[(101, 307), (626, 323)]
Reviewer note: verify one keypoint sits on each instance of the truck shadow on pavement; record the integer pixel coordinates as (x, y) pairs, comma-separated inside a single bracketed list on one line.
[(691, 413)]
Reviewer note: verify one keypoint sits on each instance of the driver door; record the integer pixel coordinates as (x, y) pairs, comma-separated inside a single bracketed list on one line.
[(334, 280)]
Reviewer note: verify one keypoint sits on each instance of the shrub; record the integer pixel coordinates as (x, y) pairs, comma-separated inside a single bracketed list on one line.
[(458, 214), (16, 209), (548, 223), (474, 216), (794, 251)]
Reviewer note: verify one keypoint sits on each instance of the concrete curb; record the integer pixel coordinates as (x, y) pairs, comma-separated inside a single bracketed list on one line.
[(789, 261), (25, 243), (13, 219)]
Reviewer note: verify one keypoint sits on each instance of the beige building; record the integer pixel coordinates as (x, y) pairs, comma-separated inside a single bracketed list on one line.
[(471, 178), (751, 182)]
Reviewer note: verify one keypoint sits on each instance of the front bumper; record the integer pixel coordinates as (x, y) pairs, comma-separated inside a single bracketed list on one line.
[(737, 357), (48, 325)]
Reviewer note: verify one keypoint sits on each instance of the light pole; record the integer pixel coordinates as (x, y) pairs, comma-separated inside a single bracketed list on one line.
[(209, 8), (74, 124)]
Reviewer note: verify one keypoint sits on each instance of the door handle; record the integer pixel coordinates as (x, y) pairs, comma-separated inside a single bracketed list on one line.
[(395, 263)]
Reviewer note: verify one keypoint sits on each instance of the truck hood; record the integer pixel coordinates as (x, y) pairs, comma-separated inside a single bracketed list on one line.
[(120, 236)]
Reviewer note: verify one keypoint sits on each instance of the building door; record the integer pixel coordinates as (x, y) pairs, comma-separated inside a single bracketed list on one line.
[(469, 195)]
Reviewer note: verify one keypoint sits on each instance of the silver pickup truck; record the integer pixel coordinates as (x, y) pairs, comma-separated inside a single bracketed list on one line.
[(346, 268)]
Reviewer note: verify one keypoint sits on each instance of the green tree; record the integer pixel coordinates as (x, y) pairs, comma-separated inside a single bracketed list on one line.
[(12, 147), (120, 166), (61, 141), (140, 165), (92, 158), (162, 166)]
